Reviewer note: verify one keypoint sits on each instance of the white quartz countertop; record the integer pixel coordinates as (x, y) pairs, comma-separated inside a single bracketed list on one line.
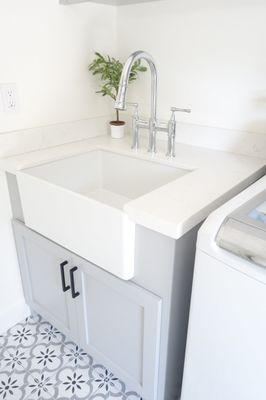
[(175, 208)]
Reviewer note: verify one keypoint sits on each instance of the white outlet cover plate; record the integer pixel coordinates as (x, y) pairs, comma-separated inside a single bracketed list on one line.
[(9, 95)]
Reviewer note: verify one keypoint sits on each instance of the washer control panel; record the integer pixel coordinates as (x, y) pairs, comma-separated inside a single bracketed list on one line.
[(243, 232)]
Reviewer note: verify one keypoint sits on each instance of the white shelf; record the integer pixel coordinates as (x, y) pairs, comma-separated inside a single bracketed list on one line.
[(110, 2)]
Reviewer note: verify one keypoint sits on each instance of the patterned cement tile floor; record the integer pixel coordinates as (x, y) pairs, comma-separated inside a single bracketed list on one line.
[(38, 362)]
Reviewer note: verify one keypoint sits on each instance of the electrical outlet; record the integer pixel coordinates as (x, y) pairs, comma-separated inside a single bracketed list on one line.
[(9, 97)]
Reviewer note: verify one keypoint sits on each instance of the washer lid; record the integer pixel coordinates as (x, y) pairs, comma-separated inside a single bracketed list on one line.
[(243, 232)]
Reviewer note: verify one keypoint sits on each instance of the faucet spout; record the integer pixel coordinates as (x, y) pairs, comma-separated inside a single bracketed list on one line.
[(152, 124), (120, 102)]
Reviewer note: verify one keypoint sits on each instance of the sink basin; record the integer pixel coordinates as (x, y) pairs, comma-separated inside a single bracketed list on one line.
[(78, 202)]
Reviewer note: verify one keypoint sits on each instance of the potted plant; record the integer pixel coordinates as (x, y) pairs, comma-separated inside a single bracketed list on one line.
[(109, 70)]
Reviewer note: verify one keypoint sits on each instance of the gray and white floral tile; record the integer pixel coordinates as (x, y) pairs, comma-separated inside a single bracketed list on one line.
[(41, 384), (47, 357), (48, 334), (3, 342), (15, 359), (17, 386), (74, 383), (105, 381), (101, 396), (33, 319), (12, 386), (132, 396), (37, 362), (76, 356), (22, 335), (118, 396)]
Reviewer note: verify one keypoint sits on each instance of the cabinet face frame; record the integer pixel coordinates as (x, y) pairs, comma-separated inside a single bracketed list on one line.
[(152, 308)]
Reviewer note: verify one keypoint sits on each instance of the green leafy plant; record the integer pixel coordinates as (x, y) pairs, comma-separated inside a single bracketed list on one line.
[(109, 70)]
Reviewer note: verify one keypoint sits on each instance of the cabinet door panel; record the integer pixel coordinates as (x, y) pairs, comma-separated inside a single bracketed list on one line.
[(40, 262), (47, 293), (115, 326), (121, 327)]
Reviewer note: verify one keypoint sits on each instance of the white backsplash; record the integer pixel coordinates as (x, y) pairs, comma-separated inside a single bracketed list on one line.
[(23, 141), (239, 142)]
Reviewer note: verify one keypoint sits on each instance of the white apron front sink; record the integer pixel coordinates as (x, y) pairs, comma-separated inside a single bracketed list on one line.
[(78, 202)]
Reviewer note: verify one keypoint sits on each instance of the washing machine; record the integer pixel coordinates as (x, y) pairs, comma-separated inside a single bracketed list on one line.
[(226, 343)]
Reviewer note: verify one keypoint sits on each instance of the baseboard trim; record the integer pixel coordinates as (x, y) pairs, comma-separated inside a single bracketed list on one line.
[(12, 315)]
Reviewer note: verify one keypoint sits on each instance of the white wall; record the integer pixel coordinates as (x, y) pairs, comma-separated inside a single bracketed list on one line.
[(45, 50), (211, 55)]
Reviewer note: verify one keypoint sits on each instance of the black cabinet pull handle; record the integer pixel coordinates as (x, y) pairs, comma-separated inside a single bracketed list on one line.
[(72, 283), (63, 279)]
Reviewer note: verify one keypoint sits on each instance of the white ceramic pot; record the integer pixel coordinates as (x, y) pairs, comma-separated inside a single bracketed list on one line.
[(117, 129)]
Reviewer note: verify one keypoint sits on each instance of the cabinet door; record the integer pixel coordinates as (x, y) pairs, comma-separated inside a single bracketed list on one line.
[(120, 327), (40, 264)]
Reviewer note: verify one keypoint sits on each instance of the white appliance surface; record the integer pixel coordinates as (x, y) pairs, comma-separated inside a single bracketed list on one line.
[(226, 350)]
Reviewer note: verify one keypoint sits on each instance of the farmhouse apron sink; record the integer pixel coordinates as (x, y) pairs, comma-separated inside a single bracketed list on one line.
[(78, 202)]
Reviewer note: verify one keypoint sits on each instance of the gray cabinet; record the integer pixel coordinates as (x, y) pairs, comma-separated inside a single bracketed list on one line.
[(116, 321)]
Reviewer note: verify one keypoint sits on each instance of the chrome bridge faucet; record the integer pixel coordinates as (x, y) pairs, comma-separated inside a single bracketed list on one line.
[(153, 125)]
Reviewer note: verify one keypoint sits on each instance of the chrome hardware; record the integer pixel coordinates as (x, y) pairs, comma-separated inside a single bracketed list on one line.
[(135, 126), (135, 105), (184, 110), (120, 102), (172, 130), (152, 124)]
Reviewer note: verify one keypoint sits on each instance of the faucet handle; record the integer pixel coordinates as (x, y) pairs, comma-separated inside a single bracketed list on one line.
[(175, 109), (135, 128), (172, 130), (136, 108), (186, 110)]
